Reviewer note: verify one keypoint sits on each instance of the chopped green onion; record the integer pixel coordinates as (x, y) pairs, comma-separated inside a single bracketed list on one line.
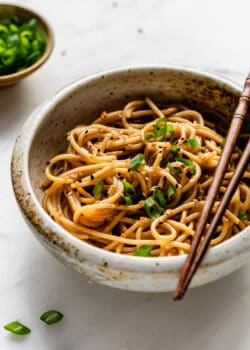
[(51, 316), (174, 150), (170, 192), (160, 129), (175, 170), (127, 200), (137, 161), (130, 194), (187, 162), (152, 208), (144, 250), (170, 130), (21, 44), (17, 328), (128, 188), (13, 28), (193, 143), (242, 215), (158, 196), (98, 188)]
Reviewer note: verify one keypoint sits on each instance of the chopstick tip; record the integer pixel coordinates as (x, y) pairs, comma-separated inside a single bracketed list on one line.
[(178, 295)]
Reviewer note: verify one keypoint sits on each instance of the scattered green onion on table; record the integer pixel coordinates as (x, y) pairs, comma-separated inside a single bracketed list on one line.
[(21, 44), (17, 328), (49, 317)]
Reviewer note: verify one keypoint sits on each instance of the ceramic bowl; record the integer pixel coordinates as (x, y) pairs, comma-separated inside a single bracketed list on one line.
[(44, 135), (25, 14)]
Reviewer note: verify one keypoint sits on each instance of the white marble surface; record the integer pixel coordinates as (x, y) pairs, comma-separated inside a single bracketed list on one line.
[(93, 35)]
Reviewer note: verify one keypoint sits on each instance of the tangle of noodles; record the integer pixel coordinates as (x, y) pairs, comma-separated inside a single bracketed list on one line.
[(135, 181)]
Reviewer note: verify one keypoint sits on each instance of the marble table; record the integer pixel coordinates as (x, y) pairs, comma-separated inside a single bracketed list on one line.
[(93, 35)]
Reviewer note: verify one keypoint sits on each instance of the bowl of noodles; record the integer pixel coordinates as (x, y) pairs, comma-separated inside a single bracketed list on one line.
[(112, 173)]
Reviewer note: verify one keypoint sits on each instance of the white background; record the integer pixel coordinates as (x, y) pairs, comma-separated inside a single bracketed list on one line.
[(92, 35)]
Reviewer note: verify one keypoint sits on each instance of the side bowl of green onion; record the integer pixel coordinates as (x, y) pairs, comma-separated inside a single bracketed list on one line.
[(26, 42)]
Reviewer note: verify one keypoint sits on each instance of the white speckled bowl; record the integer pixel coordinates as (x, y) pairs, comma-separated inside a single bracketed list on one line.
[(43, 136)]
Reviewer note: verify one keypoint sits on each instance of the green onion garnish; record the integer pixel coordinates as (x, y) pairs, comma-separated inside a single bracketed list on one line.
[(152, 208), (170, 192), (98, 188), (51, 316), (129, 193), (158, 197), (187, 162), (170, 130), (160, 129), (174, 150), (242, 215), (128, 188), (127, 200), (144, 250), (193, 143), (137, 161), (21, 44), (17, 328), (175, 170)]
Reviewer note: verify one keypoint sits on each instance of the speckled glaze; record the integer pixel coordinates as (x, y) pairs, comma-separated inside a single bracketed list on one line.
[(44, 135)]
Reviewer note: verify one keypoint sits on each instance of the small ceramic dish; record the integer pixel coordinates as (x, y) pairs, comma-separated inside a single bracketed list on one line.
[(24, 14), (43, 136)]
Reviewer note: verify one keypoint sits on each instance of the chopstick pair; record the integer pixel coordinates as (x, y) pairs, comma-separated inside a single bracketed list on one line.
[(198, 247)]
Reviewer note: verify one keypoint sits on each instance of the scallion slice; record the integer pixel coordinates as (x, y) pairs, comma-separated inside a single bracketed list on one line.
[(158, 196), (187, 162), (51, 317), (170, 130), (152, 208), (128, 188), (174, 169), (127, 200), (160, 129), (97, 190), (144, 250), (174, 150), (193, 143), (137, 161), (170, 192), (129, 193), (242, 215), (17, 328)]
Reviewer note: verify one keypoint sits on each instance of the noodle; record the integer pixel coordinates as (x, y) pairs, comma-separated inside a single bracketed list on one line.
[(138, 178)]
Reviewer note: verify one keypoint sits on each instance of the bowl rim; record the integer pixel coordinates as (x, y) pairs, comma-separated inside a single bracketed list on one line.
[(42, 221), (49, 47)]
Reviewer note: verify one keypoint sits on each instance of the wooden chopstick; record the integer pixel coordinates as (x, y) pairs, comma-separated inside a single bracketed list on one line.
[(192, 262), (241, 167)]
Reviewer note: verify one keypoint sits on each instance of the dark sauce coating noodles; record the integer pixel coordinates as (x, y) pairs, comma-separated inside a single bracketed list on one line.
[(135, 181)]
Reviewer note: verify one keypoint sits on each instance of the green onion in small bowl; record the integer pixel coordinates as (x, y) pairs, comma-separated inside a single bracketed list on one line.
[(26, 42)]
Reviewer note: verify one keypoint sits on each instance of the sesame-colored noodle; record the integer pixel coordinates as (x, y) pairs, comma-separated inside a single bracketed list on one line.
[(179, 152)]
